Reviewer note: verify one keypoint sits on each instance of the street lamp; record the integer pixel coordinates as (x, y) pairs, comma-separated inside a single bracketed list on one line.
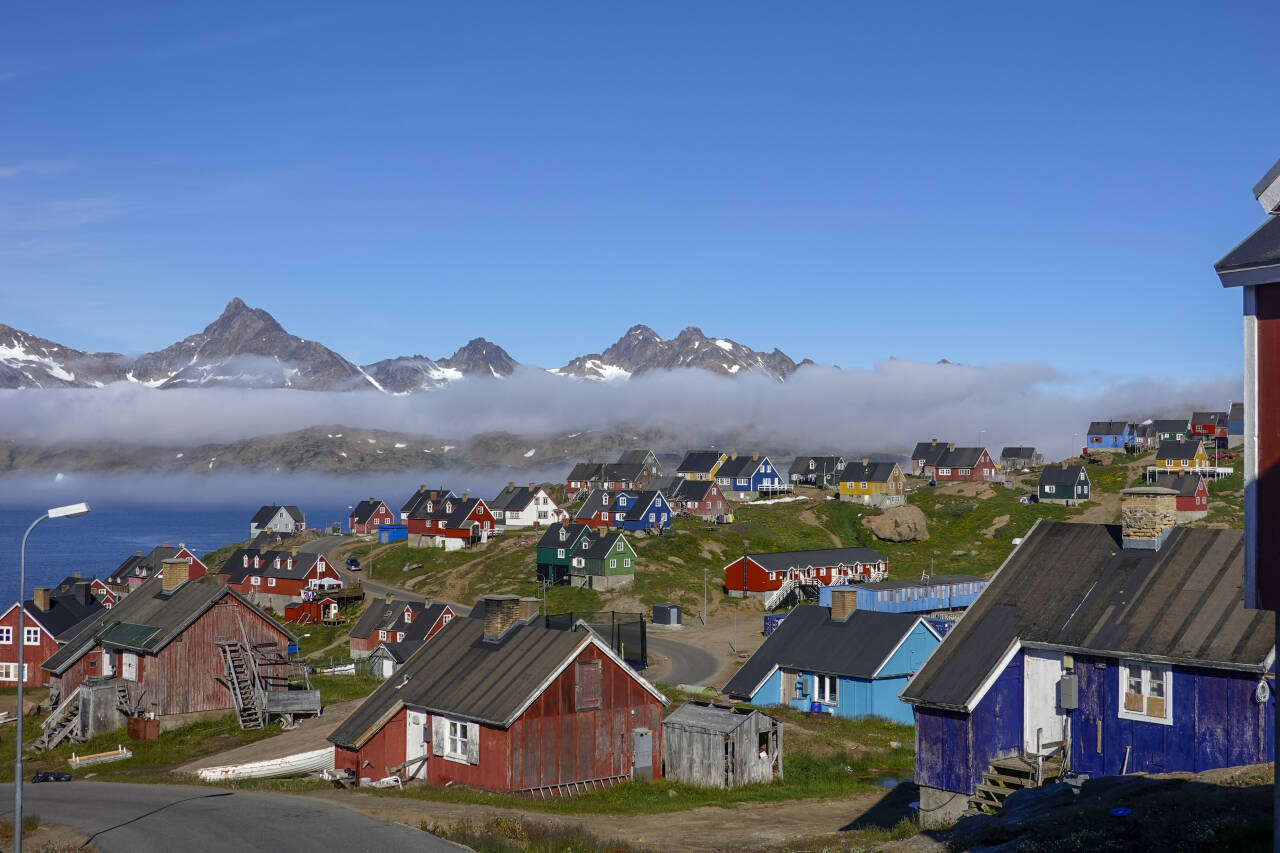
[(68, 511)]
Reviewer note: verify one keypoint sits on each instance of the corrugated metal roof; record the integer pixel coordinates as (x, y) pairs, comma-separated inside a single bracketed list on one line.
[(1073, 587)]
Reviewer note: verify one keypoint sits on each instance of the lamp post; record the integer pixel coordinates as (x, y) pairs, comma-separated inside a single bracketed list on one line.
[(69, 511), (704, 595)]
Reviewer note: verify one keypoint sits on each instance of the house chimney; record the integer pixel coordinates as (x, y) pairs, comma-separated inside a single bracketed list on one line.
[(175, 573), (1148, 515), (466, 496), (866, 460), (934, 442), (533, 487), (755, 457), (500, 613), (40, 598), (529, 608), (843, 603), (75, 574), (390, 597), (951, 446), (511, 484), (733, 455), (1063, 463)]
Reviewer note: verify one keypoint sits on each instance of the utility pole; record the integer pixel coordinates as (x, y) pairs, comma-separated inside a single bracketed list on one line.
[(704, 595)]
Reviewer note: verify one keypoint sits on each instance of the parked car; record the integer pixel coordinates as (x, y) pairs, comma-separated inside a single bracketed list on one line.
[(1226, 454), (353, 564)]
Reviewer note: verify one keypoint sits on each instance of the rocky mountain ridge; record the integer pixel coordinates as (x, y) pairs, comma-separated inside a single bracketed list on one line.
[(247, 348)]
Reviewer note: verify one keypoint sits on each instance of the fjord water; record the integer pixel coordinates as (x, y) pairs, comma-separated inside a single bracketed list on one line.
[(96, 543)]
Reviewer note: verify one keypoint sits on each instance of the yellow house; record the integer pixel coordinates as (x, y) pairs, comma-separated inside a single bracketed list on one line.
[(1182, 456), (701, 464), (874, 483)]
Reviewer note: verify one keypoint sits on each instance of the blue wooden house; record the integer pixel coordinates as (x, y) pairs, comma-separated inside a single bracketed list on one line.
[(841, 661), (755, 473), (947, 592), (1110, 435), (1109, 649), (647, 511), (1235, 425)]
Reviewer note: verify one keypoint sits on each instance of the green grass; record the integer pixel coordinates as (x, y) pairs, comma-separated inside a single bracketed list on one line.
[(516, 835), (313, 638), (341, 688)]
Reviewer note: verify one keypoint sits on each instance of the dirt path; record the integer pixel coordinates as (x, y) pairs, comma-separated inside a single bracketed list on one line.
[(310, 734), (709, 828), (807, 516)]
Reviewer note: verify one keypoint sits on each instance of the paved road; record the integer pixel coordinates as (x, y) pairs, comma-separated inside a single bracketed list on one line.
[(689, 664), (325, 545), (165, 818)]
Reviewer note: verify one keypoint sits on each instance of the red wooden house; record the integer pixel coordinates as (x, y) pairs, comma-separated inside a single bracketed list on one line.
[(312, 611), (603, 509), (139, 568), (1204, 424), (104, 593), (368, 516), (1192, 495), (450, 523), (162, 644), (770, 573), (277, 578), (506, 704), (699, 498), (51, 617), (397, 621)]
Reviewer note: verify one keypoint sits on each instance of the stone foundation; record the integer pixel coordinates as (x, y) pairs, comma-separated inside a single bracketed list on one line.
[(941, 808)]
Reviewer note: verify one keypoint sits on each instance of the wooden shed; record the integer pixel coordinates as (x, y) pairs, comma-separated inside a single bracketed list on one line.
[(718, 746)]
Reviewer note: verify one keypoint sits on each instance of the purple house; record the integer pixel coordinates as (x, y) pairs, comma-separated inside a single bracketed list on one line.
[(1099, 650)]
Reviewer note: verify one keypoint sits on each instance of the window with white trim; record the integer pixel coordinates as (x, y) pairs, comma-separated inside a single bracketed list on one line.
[(1146, 692), (457, 738), (944, 472), (255, 581), (1048, 490), (271, 581), (965, 472), (560, 553), (9, 671), (30, 636), (826, 689), (6, 636)]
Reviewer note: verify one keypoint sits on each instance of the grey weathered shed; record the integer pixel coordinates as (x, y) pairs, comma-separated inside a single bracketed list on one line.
[(717, 746)]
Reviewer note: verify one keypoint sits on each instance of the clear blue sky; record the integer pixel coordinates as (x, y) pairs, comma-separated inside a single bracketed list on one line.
[(845, 181)]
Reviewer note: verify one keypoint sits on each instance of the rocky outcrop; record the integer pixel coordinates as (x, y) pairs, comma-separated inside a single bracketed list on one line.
[(480, 358), (899, 524), (642, 349)]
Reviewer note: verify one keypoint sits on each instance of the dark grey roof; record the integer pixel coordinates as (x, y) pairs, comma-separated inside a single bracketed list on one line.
[(741, 466), (1056, 475), (165, 615), (451, 509), (961, 457), (151, 563), (779, 561), (872, 472), (69, 607), (365, 509), (640, 505), (669, 485), (1171, 425), (622, 472), (1204, 418), (595, 502), (422, 495), (1073, 587), (1108, 427), (383, 615), (1018, 453), (551, 538), (929, 451), (699, 462), (810, 640), (598, 546), (635, 456), (400, 652), (721, 719), (1267, 180), (1236, 413), (264, 515), (584, 471), (693, 490), (1185, 485), (460, 674), (1174, 449), (1259, 250), (512, 497), (235, 570), (822, 465)]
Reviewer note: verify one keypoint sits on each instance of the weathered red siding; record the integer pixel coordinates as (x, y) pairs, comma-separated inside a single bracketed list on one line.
[(183, 677), (1267, 464), (33, 656)]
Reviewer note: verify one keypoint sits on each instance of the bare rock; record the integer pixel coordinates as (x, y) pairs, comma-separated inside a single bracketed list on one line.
[(996, 523), (899, 524)]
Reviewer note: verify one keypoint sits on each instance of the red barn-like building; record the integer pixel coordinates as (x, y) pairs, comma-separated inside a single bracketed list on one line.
[(450, 523), (505, 704), (277, 577), (368, 516), (766, 573)]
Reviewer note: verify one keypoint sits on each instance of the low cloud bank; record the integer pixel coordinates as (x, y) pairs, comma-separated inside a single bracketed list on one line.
[(884, 409)]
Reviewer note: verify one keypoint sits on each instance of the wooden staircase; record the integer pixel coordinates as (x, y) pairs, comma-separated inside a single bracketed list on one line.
[(239, 674), (1006, 775), (61, 724)]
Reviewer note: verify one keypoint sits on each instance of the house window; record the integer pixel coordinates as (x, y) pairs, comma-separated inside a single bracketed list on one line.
[(30, 636), (613, 564), (626, 564), (587, 685), (862, 486), (825, 689), (1145, 690), (456, 741), (619, 516), (255, 581), (944, 472), (9, 672), (1048, 490), (965, 472), (6, 636), (619, 546), (271, 581), (651, 518), (560, 553), (382, 635)]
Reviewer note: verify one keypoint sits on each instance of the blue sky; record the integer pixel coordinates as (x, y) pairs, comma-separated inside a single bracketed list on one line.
[(843, 181)]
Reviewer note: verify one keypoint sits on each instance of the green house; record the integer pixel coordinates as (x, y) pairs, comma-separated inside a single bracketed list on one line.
[(556, 550), (603, 560), (1063, 484)]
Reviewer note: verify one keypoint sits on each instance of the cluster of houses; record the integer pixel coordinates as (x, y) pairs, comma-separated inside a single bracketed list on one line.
[(1219, 429)]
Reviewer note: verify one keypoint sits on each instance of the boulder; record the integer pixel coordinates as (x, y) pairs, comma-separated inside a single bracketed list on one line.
[(899, 524)]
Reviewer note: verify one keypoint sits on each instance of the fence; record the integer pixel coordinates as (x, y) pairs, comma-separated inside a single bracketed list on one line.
[(624, 632)]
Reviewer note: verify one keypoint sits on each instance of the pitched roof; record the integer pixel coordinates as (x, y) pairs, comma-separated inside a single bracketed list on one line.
[(741, 466), (669, 485), (699, 462), (822, 465), (264, 515), (635, 456), (513, 497), (929, 451), (597, 547), (1018, 453), (1236, 413), (872, 472), (1073, 587), (961, 457), (640, 506), (1186, 485), (69, 608), (584, 471), (1174, 449), (147, 619), (450, 509), (780, 561), (693, 490), (422, 495), (365, 509), (462, 675), (595, 502), (1204, 418), (705, 716), (622, 472), (236, 571), (383, 615), (1171, 425), (1056, 475), (1259, 250), (810, 640), (151, 563), (1108, 428), (551, 538)]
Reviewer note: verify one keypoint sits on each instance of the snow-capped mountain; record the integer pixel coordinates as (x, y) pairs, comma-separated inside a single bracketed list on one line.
[(27, 361), (247, 348), (410, 373), (481, 358), (641, 349)]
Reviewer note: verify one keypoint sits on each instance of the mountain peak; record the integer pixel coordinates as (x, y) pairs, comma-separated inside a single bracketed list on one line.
[(482, 358)]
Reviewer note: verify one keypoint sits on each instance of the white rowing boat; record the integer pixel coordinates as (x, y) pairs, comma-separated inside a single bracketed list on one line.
[(288, 765)]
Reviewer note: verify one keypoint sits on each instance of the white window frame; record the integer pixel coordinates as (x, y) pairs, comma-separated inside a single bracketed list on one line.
[(944, 472), (613, 564), (455, 741), (6, 636), (31, 635), (255, 581), (964, 472), (9, 672), (271, 581), (1151, 674), (826, 689), (1048, 490), (559, 553)]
